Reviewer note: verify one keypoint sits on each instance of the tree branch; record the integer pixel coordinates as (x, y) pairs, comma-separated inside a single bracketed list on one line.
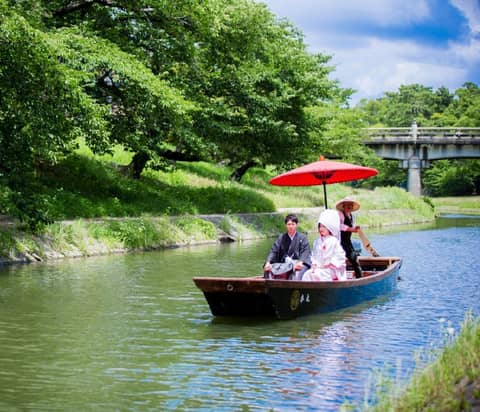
[(81, 4), (186, 157)]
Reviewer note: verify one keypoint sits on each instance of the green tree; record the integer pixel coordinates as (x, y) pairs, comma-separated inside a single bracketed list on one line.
[(43, 110), (336, 131), (399, 109), (248, 75), (146, 114), (254, 85), (447, 179), (457, 177), (464, 111)]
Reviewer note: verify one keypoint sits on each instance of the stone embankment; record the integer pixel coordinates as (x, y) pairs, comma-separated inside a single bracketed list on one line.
[(29, 248)]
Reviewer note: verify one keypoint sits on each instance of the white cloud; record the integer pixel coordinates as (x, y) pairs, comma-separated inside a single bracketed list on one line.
[(371, 60), (468, 53), (471, 10), (317, 13), (379, 66)]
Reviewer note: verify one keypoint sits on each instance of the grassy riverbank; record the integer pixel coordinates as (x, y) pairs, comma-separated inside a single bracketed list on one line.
[(450, 383), (98, 209), (461, 204)]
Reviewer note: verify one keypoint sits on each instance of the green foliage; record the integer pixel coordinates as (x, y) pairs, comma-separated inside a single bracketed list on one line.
[(135, 234), (429, 202), (41, 107), (195, 228), (336, 132), (144, 108), (7, 242), (80, 186), (399, 109), (62, 236), (441, 386), (5, 200), (459, 203), (230, 200), (389, 174), (448, 178), (465, 108), (137, 230), (378, 207), (42, 113), (253, 101), (257, 178), (208, 170), (238, 228), (226, 81), (32, 208)]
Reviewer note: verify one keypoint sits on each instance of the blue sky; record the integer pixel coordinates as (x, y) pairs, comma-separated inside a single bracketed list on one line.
[(378, 45)]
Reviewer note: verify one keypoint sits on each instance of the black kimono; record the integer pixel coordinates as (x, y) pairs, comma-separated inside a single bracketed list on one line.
[(297, 248)]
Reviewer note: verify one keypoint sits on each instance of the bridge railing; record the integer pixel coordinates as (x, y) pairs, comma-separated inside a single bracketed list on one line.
[(419, 134)]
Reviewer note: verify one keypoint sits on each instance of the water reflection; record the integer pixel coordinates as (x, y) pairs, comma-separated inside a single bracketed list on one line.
[(131, 332)]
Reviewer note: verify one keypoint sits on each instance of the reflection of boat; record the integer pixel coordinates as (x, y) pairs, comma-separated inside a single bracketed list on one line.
[(286, 299)]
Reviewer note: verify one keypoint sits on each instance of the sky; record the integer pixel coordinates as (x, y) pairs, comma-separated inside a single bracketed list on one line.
[(378, 45)]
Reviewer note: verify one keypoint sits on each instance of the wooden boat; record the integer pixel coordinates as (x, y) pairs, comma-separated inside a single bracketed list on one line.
[(287, 299)]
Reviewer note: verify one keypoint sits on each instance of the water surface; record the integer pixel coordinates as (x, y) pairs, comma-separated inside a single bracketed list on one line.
[(132, 332)]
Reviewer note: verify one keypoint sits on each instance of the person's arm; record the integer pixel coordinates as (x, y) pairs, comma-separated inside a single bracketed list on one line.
[(272, 255), (343, 226), (355, 228)]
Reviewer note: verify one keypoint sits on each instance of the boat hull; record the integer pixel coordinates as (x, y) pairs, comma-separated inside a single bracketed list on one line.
[(287, 299)]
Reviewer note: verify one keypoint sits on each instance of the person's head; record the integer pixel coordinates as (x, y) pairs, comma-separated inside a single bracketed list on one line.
[(291, 223), (329, 221), (347, 205), (323, 230)]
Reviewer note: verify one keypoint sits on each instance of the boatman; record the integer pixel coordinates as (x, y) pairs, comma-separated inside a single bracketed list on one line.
[(345, 208), (291, 245)]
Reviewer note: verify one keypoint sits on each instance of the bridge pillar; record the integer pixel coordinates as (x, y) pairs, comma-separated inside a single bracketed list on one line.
[(414, 183)]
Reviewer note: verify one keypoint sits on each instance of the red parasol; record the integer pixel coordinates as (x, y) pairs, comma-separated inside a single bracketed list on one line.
[(323, 172)]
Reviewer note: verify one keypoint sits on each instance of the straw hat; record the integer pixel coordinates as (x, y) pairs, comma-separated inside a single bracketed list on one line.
[(330, 219), (339, 204)]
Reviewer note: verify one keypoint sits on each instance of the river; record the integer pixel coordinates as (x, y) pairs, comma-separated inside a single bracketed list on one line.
[(132, 332)]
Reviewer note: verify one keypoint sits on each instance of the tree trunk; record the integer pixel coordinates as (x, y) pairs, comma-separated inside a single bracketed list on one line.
[(240, 171), (138, 163)]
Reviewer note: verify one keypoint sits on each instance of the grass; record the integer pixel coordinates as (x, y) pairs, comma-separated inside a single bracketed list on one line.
[(80, 186), (449, 383), (83, 186), (460, 204), (98, 208)]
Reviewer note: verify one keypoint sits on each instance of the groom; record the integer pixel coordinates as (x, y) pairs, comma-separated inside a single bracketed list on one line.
[(293, 245)]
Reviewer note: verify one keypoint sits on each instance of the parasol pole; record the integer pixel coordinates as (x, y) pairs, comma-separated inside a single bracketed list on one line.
[(325, 194)]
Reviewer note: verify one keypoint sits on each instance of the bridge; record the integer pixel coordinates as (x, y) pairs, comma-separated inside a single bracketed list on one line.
[(416, 147)]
